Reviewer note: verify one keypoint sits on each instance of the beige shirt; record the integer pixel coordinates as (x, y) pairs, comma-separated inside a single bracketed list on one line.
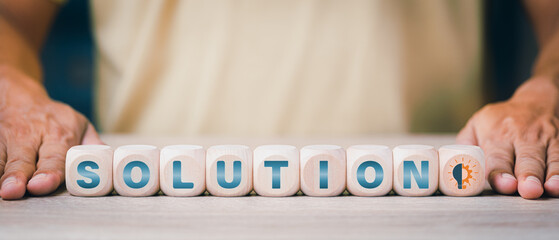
[(264, 68)]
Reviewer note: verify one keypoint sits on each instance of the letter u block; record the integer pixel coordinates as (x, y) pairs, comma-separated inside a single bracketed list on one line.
[(462, 170), (136, 170), (416, 170), (182, 170), (323, 170), (229, 170), (89, 170), (276, 170), (369, 170)]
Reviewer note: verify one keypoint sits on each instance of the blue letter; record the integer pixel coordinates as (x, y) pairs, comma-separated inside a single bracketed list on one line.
[(88, 174), (410, 168), (236, 175), (323, 174), (276, 171), (127, 174), (379, 173), (177, 181)]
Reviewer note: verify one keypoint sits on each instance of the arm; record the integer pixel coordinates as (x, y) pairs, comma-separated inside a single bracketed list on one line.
[(35, 131), (520, 135)]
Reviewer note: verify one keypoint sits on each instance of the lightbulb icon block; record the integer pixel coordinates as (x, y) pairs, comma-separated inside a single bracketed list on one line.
[(369, 170), (182, 170), (323, 170), (229, 170), (276, 170), (416, 170), (462, 170), (89, 170), (136, 170)]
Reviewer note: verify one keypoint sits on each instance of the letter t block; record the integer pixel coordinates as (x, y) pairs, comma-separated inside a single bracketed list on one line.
[(276, 170)]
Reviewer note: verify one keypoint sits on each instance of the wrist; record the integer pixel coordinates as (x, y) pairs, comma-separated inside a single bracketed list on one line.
[(538, 89)]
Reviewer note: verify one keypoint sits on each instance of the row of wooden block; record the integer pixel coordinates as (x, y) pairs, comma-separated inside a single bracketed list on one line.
[(275, 170)]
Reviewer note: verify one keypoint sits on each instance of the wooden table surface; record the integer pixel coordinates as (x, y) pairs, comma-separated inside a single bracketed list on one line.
[(488, 216)]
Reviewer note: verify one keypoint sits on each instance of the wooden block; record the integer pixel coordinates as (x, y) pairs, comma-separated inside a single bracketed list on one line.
[(369, 170), (229, 170), (323, 170), (182, 170), (462, 170), (136, 170), (89, 170), (276, 170), (416, 170)]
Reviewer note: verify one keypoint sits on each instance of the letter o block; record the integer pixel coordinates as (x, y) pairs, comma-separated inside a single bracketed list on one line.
[(229, 170), (136, 170), (183, 170), (462, 170), (369, 170), (89, 170), (416, 170), (323, 170), (276, 170)]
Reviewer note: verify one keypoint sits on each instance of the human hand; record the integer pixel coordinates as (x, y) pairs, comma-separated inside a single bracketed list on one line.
[(520, 140), (35, 133)]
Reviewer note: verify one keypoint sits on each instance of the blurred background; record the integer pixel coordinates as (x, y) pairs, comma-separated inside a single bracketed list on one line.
[(509, 51)]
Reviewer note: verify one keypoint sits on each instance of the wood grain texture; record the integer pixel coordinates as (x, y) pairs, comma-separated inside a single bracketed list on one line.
[(487, 216)]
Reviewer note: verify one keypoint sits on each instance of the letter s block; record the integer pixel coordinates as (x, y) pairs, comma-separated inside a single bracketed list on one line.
[(229, 170), (462, 170), (276, 170), (183, 170), (323, 170), (136, 170), (89, 170), (416, 170), (369, 170)]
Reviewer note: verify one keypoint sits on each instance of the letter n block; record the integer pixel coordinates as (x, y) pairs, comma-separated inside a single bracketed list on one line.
[(229, 170), (182, 170), (416, 170), (89, 170), (369, 170), (136, 170), (276, 170), (323, 170), (462, 170)]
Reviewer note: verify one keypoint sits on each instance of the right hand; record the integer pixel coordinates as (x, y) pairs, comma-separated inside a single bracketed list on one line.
[(35, 133)]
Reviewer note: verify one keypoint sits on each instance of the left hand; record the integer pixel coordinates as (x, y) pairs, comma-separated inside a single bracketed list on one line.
[(520, 140)]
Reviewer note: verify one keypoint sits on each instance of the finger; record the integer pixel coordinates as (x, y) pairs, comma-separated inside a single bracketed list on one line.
[(50, 166), (467, 134), (499, 165), (530, 168), (20, 165), (90, 136), (2, 158), (551, 185)]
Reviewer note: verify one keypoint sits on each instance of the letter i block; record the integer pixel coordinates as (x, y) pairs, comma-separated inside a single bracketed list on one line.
[(136, 170), (323, 170), (89, 170), (276, 170), (416, 170), (462, 170), (229, 170), (182, 170), (369, 170)]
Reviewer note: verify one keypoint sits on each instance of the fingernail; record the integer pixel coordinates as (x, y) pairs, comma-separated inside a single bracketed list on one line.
[(554, 178), (534, 180), (38, 178), (508, 176), (9, 181)]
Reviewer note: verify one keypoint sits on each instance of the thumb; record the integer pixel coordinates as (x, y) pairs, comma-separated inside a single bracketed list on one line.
[(90, 136), (467, 135)]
